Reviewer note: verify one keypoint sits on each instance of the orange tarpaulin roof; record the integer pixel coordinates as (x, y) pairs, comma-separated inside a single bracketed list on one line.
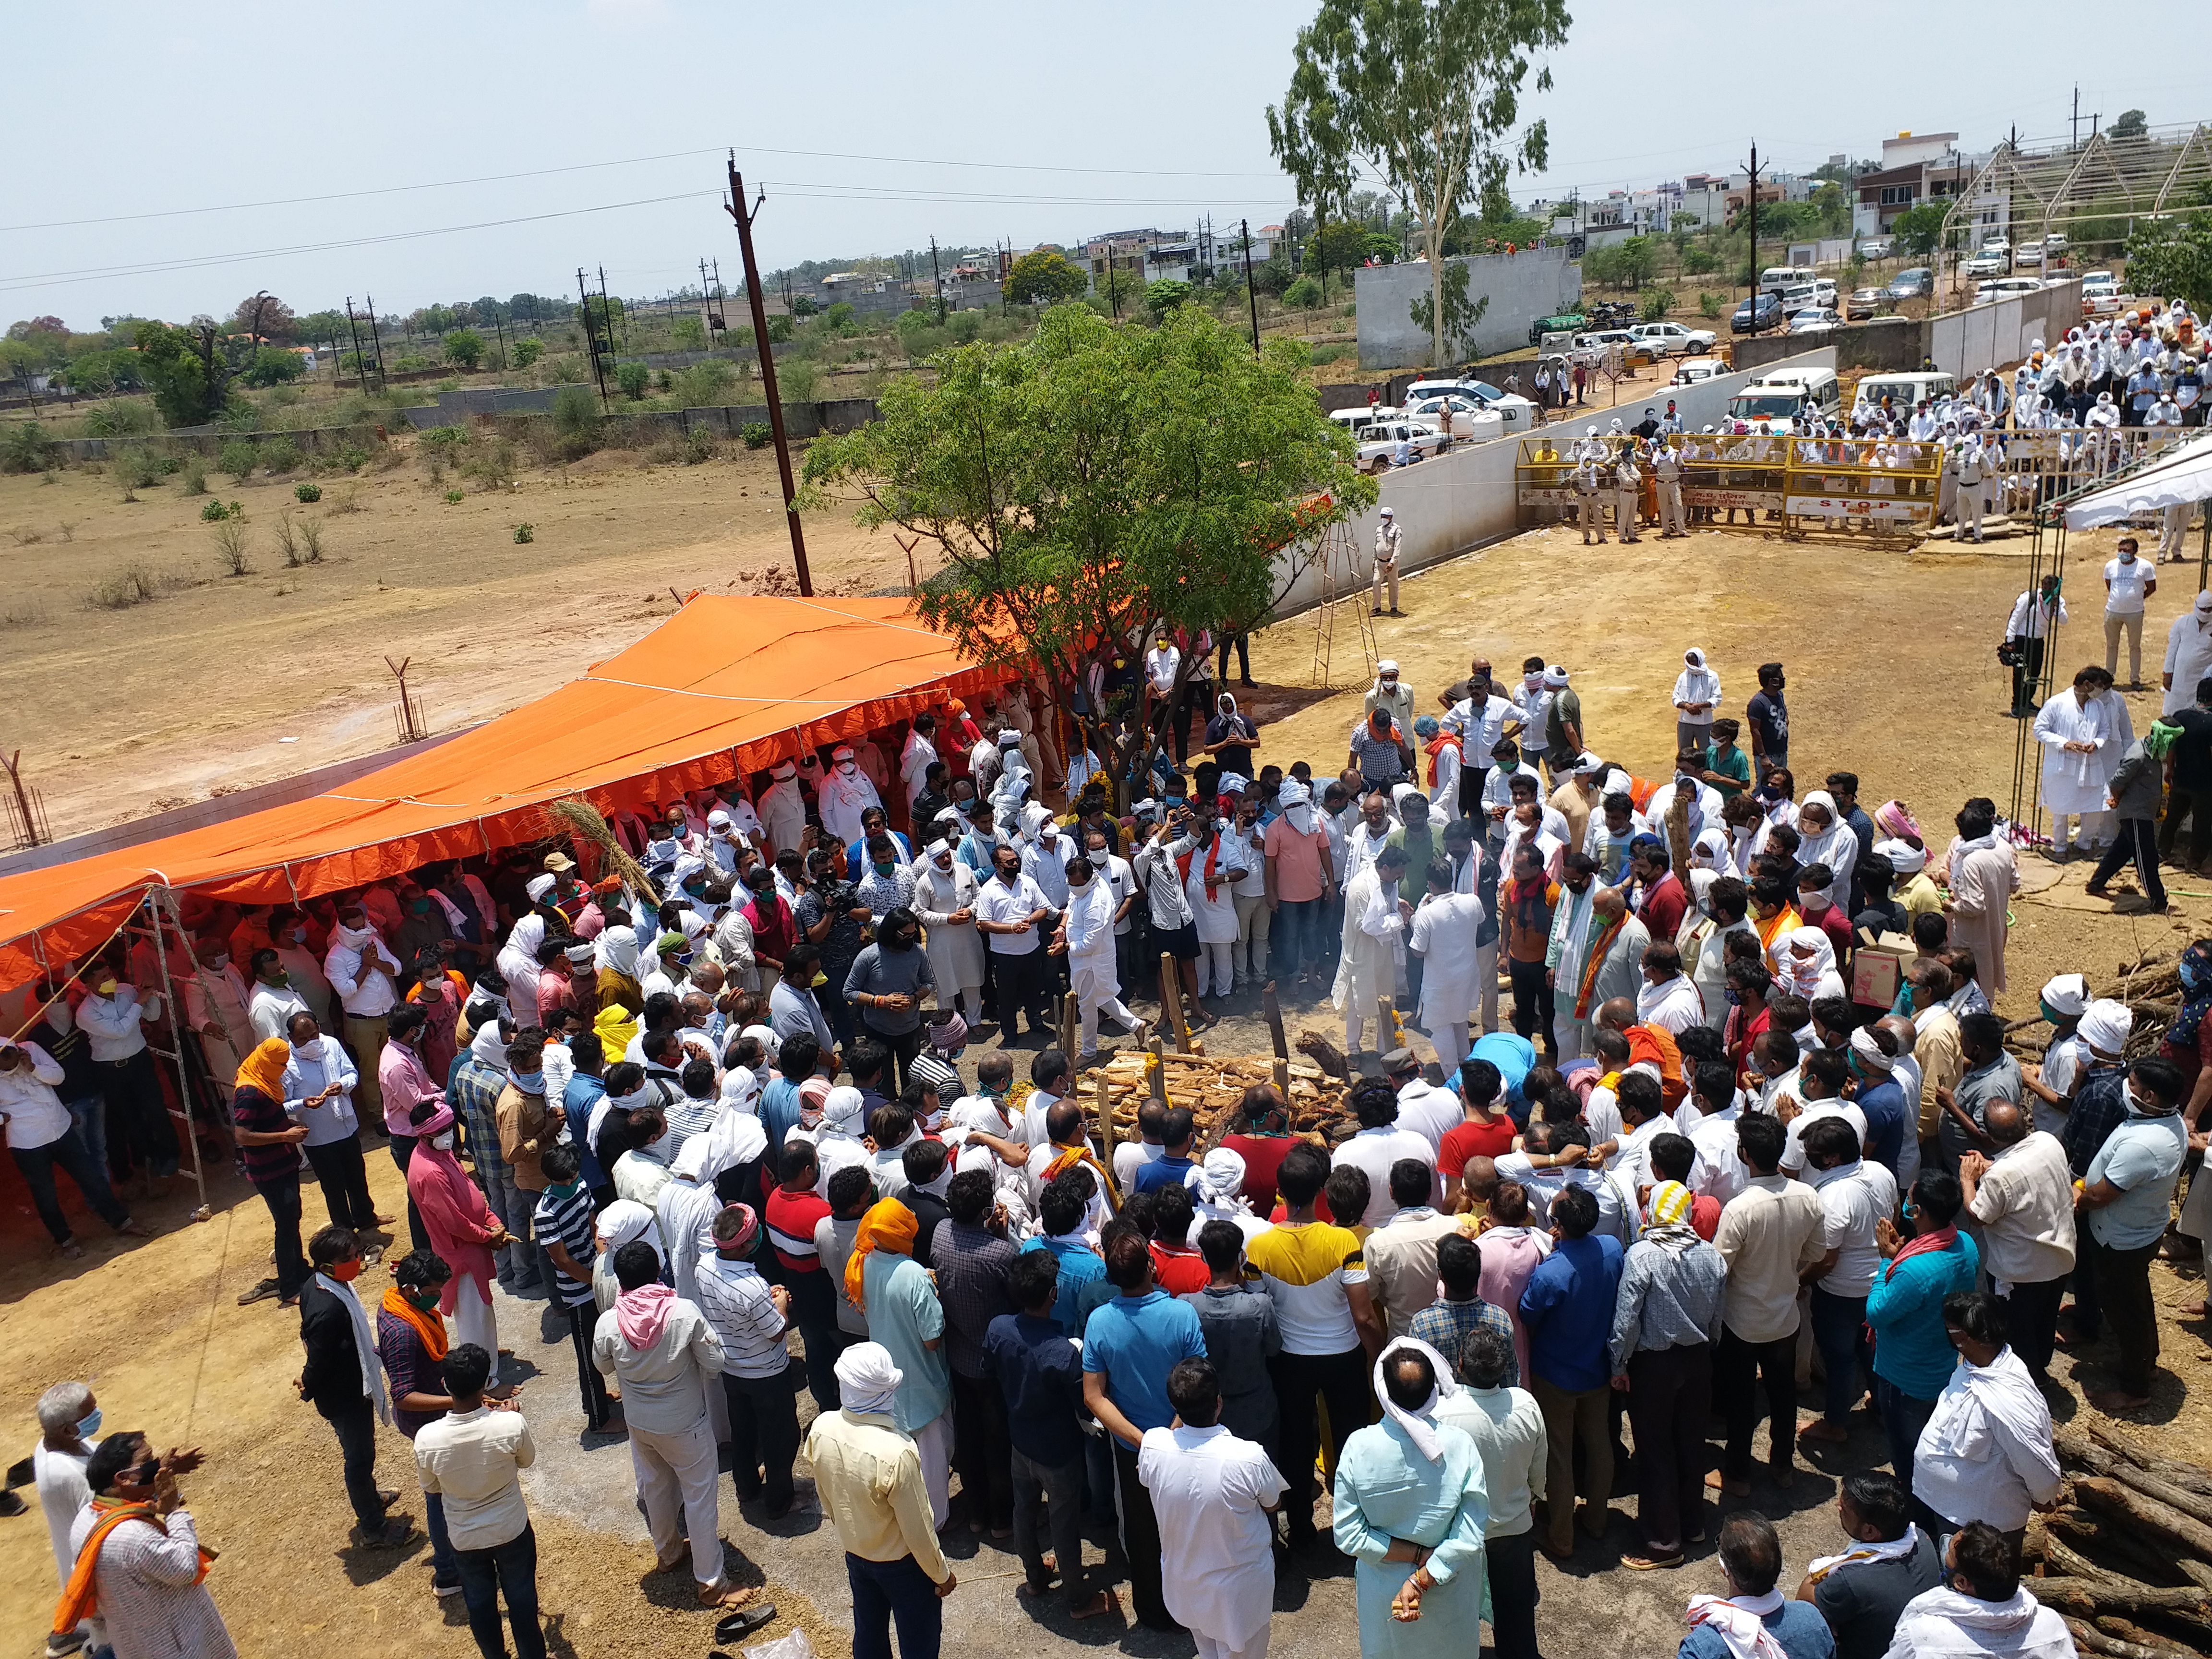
[(727, 684)]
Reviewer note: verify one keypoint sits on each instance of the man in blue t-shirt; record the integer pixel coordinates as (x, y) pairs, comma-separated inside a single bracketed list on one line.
[(1177, 1135), (1768, 717), (1129, 1346), (1751, 1560), (1567, 1309)]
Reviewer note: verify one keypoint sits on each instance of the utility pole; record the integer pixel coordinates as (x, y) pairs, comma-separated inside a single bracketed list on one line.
[(2075, 141), (936, 285), (1251, 294), (360, 363), (592, 335), (736, 209), (501, 327), (1754, 238), (376, 340), (607, 315)]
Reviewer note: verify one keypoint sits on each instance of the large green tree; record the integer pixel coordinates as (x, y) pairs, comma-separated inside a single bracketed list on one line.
[(2172, 259), (1427, 93), (1096, 482), (1045, 275), (1917, 229), (186, 368)]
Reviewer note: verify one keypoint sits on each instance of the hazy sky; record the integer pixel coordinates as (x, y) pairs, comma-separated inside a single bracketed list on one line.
[(982, 122)]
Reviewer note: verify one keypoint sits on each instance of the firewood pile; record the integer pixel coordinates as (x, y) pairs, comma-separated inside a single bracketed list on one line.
[(2151, 988), (1212, 1085), (2126, 1558)]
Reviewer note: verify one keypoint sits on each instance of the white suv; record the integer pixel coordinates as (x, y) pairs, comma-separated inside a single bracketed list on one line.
[(1673, 340)]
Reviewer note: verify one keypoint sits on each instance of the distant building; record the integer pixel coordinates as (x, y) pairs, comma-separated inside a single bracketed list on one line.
[(1916, 168)]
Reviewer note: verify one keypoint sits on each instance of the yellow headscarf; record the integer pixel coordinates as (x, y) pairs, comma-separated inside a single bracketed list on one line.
[(615, 1025), (264, 1069), (887, 1222)]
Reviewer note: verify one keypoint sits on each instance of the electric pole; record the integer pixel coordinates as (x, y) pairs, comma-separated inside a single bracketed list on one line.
[(1754, 239), (1251, 294), (376, 340), (360, 363), (738, 210), (936, 285), (2075, 143), (592, 335)]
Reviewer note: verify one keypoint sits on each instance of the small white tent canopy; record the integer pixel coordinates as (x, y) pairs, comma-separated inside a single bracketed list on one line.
[(2183, 476)]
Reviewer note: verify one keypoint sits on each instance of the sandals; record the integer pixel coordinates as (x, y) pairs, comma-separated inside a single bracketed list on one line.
[(261, 1293)]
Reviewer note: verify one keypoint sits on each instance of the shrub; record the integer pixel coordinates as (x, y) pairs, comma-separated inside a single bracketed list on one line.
[(347, 499), (565, 371), (444, 437), (171, 464), (701, 385), (698, 445), (281, 456), (797, 381), (1657, 304), (633, 379), (230, 548), (135, 584), (410, 363), (491, 463), (138, 469), (239, 459), (576, 421), (311, 539), (523, 532), (451, 496), (526, 352), (214, 512), (756, 434), (465, 347), (25, 537), (288, 542), (27, 449), (307, 492), (1710, 304), (1304, 294), (195, 476)]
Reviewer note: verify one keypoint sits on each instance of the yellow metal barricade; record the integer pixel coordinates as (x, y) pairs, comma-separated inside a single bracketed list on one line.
[(1860, 484), (1725, 473)]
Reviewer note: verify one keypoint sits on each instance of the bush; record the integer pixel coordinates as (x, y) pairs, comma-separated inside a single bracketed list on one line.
[(444, 437), (230, 549), (1304, 294), (410, 363), (526, 352), (137, 469), (351, 457), (756, 434), (214, 512), (1697, 261), (135, 584), (347, 499), (1710, 304), (311, 538), (465, 347), (565, 371), (633, 379), (523, 532), (307, 492), (239, 459), (194, 481), (702, 385), (1657, 304), (698, 445), (451, 496), (27, 449), (281, 456), (491, 463), (797, 381), (576, 413), (288, 542)]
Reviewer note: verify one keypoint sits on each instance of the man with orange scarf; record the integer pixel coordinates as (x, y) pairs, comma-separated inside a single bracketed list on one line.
[(900, 1299), (411, 1345), (140, 1568), (269, 1141)]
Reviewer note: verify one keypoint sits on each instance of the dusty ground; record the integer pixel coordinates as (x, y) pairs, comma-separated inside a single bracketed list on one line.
[(1893, 676)]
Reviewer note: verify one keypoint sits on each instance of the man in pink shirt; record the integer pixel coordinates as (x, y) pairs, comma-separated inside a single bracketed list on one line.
[(1300, 883)]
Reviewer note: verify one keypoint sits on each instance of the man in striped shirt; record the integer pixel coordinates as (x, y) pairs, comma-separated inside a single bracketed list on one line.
[(749, 1315), (562, 1227), (794, 1209)]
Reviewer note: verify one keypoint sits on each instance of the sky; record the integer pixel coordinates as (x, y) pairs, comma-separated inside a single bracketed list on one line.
[(241, 146)]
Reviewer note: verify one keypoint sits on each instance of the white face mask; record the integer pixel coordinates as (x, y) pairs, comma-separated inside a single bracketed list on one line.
[(847, 766), (444, 1142)]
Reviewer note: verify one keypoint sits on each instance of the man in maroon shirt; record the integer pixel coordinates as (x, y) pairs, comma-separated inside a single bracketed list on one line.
[(1262, 1143), (1664, 903)]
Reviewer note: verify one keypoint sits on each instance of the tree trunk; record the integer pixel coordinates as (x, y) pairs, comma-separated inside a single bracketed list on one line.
[(2126, 1631), (2189, 1476), (2128, 1504), (2134, 1553), (2086, 1598), (2124, 1468), (2090, 1640)]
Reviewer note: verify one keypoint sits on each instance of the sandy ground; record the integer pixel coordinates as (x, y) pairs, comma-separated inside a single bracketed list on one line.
[(1893, 675)]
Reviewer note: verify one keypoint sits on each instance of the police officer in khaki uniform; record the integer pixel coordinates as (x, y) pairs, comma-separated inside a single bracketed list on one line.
[(1627, 487), (1587, 478), (1667, 468)]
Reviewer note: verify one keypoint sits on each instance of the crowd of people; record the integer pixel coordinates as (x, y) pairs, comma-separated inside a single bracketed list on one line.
[(1745, 1119)]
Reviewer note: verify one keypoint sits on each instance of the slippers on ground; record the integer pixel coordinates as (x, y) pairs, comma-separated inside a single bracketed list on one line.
[(743, 1624)]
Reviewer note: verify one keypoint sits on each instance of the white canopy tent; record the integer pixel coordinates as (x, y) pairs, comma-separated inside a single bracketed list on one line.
[(2183, 477)]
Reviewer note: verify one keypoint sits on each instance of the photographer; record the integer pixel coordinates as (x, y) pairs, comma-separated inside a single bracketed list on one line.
[(2032, 614), (830, 916)]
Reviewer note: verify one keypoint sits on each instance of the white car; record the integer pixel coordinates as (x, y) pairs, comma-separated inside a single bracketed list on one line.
[(2101, 294), (1877, 248), (2030, 257), (1673, 340), (1815, 319), (1690, 371), (1463, 416), (1984, 264), (1518, 413), (1378, 447), (1999, 246)]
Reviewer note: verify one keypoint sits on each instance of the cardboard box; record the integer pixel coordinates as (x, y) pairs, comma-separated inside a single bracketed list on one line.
[(1878, 969)]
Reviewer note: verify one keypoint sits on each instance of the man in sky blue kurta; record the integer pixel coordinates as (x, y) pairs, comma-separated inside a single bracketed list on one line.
[(1410, 1508)]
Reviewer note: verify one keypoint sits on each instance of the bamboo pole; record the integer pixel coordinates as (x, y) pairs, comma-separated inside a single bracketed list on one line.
[(1171, 1000), (1105, 1100), (1274, 1010), (1159, 1071), (1067, 1027)]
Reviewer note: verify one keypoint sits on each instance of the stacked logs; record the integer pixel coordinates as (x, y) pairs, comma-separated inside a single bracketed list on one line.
[(1211, 1086), (2126, 1557)]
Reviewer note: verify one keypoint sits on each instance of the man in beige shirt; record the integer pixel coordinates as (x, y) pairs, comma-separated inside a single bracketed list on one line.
[(1935, 1045), (867, 1476), (1401, 1253), (1771, 1237), (2021, 1203), (473, 1457)]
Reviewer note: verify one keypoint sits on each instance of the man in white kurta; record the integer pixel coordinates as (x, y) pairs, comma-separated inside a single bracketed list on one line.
[(1086, 933), (844, 795), (1213, 1494), (2188, 655), (1564, 956), (945, 891), (1367, 969), (783, 808), (916, 758), (1444, 927), (1983, 878), (2082, 744)]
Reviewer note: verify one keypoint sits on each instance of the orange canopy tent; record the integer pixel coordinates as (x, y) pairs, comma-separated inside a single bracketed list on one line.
[(729, 684)]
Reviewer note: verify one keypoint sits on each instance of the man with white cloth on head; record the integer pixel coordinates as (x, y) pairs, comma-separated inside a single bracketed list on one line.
[(1755, 1620), (783, 808), (916, 758), (1412, 1509), (1086, 936), (1216, 1194), (1981, 1607), (1986, 1453), (844, 795), (945, 891), (1212, 1496), (1373, 925)]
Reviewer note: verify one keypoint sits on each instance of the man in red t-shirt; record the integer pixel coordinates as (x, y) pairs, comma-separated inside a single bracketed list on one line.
[(1177, 1267), (1487, 1132), (1262, 1143), (1665, 904), (790, 1215)]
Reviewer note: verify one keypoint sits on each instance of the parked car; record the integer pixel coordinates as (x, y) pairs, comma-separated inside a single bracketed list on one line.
[(1378, 446), (1917, 283), (1815, 319), (2101, 294), (1876, 247), (2004, 288), (1904, 389), (1672, 339), (1598, 339), (1690, 371), (1356, 419), (2000, 246), (1465, 419), (1864, 302), (2030, 257), (1760, 311), (1518, 413), (1984, 264), (2055, 243)]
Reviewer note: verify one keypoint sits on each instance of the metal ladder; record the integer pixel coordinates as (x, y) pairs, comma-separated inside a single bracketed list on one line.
[(162, 923), (1337, 544)]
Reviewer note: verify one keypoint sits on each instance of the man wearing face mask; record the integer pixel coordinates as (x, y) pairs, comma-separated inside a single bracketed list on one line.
[(945, 903), (2124, 1202), (273, 1001), (463, 1230), (364, 973), (343, 1380), (844, 795), (1572, 925), (782, 807), (1008, 910), (1230, 737), (1086, 936), (888, 984)]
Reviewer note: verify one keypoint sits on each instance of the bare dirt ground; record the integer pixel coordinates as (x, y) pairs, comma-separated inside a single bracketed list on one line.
[(1893, 674)]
